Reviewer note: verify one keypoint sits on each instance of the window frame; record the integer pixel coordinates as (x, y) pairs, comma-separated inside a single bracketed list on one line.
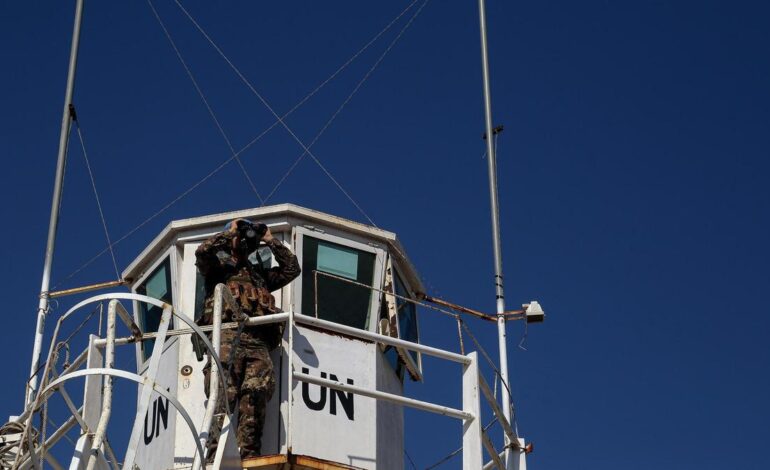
[(299, 234), (414, 369), (171, 255)]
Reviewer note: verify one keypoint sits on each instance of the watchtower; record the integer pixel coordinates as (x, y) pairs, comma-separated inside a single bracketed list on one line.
[(351, 338), (355, 280)]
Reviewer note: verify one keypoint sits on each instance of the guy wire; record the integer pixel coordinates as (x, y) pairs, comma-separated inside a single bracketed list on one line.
[(228, 160), (205, 101), (267, 105), (347, 100), (96, 193)]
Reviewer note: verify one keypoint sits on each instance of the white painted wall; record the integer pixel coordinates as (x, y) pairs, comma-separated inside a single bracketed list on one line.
[(156, 443), (373, 438), (322, 426), (390, 418)]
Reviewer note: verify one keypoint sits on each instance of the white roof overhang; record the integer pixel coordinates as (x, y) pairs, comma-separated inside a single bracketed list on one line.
[(294, 214)]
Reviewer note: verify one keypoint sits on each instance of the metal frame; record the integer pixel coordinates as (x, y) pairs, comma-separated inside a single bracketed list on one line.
[(396, 274), (53, 221), (470, 414), (148, 382), (505, 399), (153, 386)]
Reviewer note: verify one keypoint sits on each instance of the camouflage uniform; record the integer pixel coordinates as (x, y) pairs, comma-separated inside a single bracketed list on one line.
[(245, 357)]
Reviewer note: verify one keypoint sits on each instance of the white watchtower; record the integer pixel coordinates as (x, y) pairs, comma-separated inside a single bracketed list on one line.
[(346, 270), (351, 338)]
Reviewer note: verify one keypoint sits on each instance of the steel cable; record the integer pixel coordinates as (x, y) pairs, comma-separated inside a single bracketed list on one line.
[(344, 103), (456, 451), (411, 462), (497, 372), (205, 101), (96, 193), (214, 171), (77, 329), (267, 105)]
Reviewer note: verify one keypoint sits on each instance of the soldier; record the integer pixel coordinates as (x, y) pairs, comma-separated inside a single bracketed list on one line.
[(245, 356)]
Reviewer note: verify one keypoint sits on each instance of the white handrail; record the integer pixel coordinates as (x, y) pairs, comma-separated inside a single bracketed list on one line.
[(389, 340), (221, 295), (148, 384), (376, 394), (109, 363), (473, 385), (133, 377)]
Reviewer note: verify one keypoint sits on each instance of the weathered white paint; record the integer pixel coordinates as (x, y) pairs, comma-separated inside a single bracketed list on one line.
[(472, 455), (92, 410), (390, 417), (190, 390)]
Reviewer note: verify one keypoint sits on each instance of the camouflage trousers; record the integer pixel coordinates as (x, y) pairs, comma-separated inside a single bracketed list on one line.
[(250, 384)]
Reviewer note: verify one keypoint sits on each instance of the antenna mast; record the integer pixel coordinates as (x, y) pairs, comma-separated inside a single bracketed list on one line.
[(61, 161), (498, 256)]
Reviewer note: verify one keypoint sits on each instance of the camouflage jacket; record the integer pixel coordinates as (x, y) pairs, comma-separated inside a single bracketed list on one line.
[(249, 283)]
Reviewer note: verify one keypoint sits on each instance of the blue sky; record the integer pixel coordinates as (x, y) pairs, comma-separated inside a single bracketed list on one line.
[(632, 171)]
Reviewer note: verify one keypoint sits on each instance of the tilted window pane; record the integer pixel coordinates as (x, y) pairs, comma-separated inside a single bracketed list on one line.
[(391, 356), (337, 260), (407, 316)]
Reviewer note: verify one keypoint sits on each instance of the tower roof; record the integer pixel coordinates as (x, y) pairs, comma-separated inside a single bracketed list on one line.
[(293, 215)]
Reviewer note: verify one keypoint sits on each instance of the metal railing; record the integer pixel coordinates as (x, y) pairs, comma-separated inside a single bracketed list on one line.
[(469, 414), (95, 435), (96, 446), (469, 361)]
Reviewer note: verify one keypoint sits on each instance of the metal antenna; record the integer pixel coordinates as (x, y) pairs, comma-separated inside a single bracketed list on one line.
[(498, 256), (61, 161)]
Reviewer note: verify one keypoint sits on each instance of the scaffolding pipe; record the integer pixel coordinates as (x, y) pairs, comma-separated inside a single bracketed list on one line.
[(88, 288), (53, 439), (211, 405), (496, 245), (66, 122), (389, 340), (109, 363)]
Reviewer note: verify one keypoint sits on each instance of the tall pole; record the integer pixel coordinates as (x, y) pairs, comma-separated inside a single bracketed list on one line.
[(498, 255), (66, 123)]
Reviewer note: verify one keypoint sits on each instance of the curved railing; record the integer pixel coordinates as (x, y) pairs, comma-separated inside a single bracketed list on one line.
[(473, 385), (222, 299)]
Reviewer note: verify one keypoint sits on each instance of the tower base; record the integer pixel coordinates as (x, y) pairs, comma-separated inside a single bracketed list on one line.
[(293, 462)]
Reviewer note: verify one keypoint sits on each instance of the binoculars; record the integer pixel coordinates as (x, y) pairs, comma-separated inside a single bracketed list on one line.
[(251, 232)]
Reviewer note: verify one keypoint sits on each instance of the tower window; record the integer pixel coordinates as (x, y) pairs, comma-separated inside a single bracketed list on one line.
[(157, 285), (338, 301)]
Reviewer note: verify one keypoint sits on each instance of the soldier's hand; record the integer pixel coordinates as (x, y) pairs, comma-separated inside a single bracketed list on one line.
[(235, 248), (267, 236)]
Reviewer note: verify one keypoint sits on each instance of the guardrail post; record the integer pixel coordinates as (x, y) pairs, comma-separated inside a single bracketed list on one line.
[(472, 453), (109, 363), (211, 404), (290, 379)]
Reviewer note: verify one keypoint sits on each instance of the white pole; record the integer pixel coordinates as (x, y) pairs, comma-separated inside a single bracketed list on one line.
[(498, 256), (66, 122)]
